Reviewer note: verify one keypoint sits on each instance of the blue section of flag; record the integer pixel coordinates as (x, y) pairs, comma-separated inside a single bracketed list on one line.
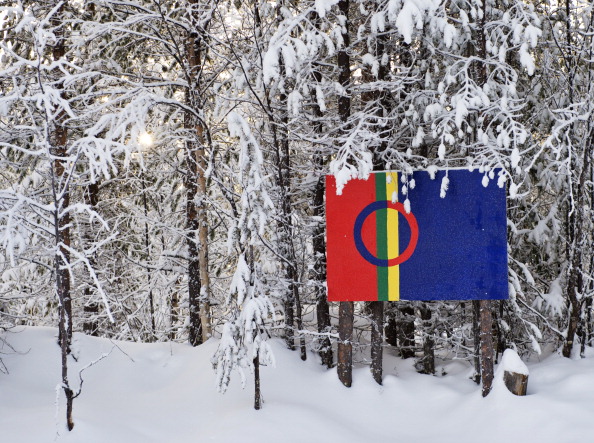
[(462, 248)]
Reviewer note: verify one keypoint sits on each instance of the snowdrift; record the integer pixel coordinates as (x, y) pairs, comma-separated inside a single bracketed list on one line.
[(165, 392)]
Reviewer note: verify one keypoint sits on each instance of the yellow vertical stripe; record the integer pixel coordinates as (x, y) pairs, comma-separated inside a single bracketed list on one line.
[(393, 271)]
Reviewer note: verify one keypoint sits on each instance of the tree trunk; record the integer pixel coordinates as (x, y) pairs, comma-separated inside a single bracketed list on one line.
[(203, 238), (195, 182), (578, 242), (344, 65), (588, 332), (390, 325), (153, 335), (173, 314), (405, 331), (346, 309), (486, 339), (476, 332), (61, 196), (257, 393), (500, 345), (91, 307), (319, 244), (345, 344), (428, 360), (319, 248), (377, 323), (516, 383)]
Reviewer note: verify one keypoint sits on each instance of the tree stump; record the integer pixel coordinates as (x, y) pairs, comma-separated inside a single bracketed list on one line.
[(515, 372), (516, 383)]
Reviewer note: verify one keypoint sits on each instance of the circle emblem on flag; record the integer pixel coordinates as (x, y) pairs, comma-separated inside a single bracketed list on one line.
[(412, 243)]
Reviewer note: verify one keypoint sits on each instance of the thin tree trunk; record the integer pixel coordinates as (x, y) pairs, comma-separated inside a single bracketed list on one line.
[(257, 393), (319, 244), (173, 314), (484, 306), (405, 330), (322, 306), (588, 332), (292, 303), (428, 360), (345, 309), (196, 184), (476, 332), (61, 195), (500, 345), (147, 248), (578, 242), (91, 307), (203, 237), (191, 184), (298, 311), (345, 343), (486, 339), (390, 329), (377, 321)]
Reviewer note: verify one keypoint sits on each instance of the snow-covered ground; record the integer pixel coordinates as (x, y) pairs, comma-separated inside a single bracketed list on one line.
[(165, 393)]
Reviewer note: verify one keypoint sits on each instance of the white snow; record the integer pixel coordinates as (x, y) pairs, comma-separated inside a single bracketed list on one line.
[(445, 183), (449, 33), (511, 362), (323, 6), (526, 59), (155, 393)]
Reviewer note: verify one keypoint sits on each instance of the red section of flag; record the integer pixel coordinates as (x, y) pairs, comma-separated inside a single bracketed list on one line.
[(350, 276)]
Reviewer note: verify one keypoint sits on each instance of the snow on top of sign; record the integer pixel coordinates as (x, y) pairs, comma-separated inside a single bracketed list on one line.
[(344, 173)]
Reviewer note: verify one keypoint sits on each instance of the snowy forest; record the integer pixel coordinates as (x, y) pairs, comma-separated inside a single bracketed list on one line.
[(163, 164)]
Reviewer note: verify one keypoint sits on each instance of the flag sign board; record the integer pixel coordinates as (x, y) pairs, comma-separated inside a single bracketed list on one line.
[(450, 248)]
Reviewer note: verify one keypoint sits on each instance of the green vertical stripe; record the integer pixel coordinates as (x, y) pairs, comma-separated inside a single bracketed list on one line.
[(381, 241)]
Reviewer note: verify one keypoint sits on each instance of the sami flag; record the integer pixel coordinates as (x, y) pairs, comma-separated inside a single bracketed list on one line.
[(451, 248)]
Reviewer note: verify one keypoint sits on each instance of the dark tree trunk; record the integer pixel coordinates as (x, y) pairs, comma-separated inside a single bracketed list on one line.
[(257, 393), (299, 315), (91, 310), (345, 342), (500, 346), (344, 65), (147, 255), (483, 307), (476, 332), (578, 241), (194, 151), (61, 196), (290, 321), (195, 180), (390, 329), (346, 309), (377, 323), (428, 360), (91, 307), (173, 314), (319, 244), (588, 330), (319, 247), (288, 248), (486, 339), (405, 331)]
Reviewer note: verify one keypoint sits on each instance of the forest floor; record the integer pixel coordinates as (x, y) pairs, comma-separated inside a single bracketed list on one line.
[(165, 393)]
